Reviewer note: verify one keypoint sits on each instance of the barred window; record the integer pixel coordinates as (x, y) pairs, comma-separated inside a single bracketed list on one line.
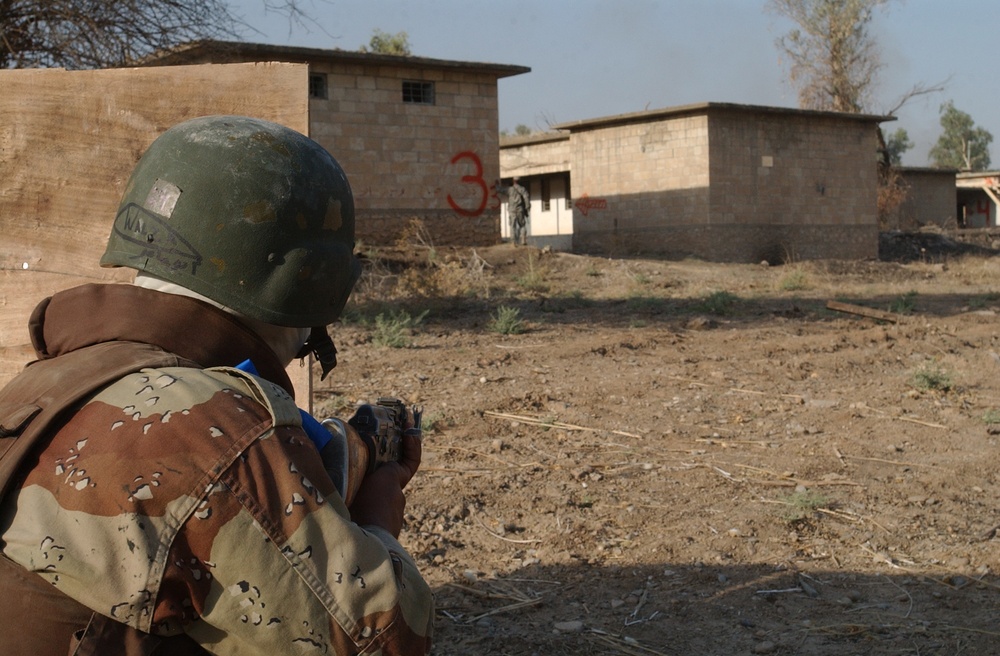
[(418, 92), (317, 86)]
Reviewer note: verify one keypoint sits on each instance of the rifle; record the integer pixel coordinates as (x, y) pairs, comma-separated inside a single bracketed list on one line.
[(374, 436)]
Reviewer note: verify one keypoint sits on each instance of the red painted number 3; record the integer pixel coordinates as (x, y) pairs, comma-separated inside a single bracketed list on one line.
[(475, 179)]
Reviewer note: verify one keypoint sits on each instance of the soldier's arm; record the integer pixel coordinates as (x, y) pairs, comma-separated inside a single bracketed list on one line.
[(290, 570)]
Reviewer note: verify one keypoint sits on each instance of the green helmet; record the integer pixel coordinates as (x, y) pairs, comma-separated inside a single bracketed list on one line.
[(248, 213)]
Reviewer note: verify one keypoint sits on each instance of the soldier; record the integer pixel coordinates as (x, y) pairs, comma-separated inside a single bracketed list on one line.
[(153, 497), (518, 208)]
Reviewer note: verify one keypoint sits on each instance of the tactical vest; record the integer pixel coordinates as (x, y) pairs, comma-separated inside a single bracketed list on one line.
[(35, 618)]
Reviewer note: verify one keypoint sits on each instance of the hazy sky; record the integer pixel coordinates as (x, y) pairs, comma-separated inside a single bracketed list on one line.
[(592, 58)]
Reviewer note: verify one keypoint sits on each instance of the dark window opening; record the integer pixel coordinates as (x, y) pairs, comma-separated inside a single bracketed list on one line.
[(317, 86), (420, 93), (546, 195)]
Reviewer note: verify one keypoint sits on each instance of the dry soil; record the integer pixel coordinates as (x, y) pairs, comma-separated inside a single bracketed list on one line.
[(692, 458)]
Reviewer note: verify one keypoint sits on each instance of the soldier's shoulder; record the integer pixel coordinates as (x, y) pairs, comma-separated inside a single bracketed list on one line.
[(186, 387)]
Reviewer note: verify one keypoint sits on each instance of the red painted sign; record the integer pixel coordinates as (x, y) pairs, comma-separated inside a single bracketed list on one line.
[(474, 179), (585, 203)]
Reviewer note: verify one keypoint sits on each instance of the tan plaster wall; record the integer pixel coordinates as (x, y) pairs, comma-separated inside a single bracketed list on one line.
[(536, 158), (68, 143)]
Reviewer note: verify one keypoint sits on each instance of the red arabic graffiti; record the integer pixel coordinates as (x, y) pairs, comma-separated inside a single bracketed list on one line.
[(585, 203), (474, 179)]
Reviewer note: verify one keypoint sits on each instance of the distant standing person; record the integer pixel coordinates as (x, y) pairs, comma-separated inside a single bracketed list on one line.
[(518, 206)]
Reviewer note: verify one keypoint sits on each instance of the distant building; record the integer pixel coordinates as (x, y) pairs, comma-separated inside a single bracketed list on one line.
[(718, 181), (930, 199), (978, 197), (418, 137), (542, 161)]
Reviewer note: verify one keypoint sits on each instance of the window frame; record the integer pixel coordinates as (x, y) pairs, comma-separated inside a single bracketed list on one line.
[(419, 92), (319, 88)]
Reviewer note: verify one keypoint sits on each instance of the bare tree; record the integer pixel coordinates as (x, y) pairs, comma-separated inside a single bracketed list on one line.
[(78, 34), (834, 64), (833, 59)]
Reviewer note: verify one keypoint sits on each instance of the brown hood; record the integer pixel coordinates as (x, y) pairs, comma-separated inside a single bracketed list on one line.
[(91, 314)]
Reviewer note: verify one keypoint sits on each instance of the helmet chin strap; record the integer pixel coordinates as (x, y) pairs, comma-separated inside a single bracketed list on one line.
[(321, 347)]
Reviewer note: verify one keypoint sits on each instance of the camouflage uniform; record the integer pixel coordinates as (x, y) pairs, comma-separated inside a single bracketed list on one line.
[(518, 204), (189, 504)]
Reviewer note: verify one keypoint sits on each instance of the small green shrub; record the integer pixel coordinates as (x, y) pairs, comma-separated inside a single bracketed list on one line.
[(643, 303), (991, 416), (904, 304), (432, 420), (794, 280), (533, 279), (931, 377), (507, 321), (802, 505), (981, 301), (720, 302), (395, 329)]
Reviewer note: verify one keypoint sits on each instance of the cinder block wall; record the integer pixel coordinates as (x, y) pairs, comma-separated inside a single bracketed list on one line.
[(433, 163), (806, 184), (633, 182), (728, 185), (931, 199)]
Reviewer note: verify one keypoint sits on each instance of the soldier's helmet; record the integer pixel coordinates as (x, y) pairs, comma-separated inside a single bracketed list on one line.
[(248, 213)]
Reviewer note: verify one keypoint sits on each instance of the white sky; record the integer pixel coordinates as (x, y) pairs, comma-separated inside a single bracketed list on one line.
[(592, 58)]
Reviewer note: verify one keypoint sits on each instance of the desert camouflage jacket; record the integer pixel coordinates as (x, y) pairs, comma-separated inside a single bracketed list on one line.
[(190, 501), (518, 202)]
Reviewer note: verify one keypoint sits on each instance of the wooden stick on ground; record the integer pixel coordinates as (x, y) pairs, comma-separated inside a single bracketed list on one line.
[(556, 424), (863, 311)]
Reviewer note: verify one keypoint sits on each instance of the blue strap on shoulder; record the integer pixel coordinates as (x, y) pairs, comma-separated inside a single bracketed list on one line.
[(319, 435)]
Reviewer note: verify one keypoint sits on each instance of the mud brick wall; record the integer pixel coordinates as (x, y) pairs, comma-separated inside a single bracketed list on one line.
[(535, 155)]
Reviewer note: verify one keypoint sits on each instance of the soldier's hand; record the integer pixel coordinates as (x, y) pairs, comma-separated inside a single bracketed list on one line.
[(380, 500)]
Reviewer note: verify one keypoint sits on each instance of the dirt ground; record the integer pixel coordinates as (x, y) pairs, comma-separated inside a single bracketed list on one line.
[(692, 458)]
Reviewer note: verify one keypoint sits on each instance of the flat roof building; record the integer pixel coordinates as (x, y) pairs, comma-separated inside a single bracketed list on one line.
[(720, 181)]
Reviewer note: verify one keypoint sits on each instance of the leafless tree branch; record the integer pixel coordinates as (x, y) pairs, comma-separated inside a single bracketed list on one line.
[(78, 34)]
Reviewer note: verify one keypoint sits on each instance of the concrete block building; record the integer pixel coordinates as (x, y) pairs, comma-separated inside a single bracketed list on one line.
[(723, 182), (930, 199), (542, 161), (418, 137)]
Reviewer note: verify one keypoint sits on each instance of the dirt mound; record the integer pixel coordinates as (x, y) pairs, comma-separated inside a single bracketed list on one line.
[(926, 247)]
